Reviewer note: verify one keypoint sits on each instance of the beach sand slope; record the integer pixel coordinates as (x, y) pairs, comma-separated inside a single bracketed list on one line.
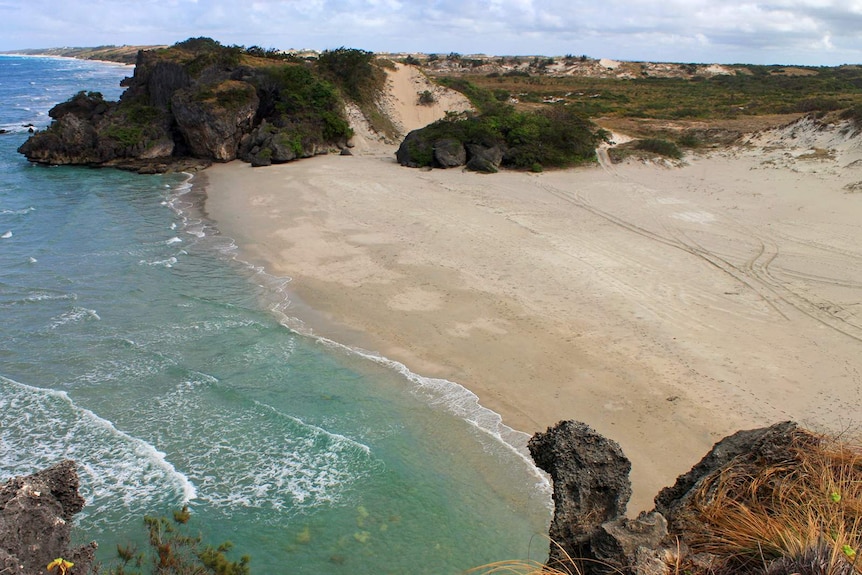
[(664, 307)]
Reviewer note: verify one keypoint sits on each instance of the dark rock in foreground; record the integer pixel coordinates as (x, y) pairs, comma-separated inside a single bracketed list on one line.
[(35, 520), (589, 532), (590, 476)]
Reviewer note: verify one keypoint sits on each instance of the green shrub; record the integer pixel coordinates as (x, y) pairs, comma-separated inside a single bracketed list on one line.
[(482, 98), (293, 95), (660, 147), (234, 98), (853, 114), (426, 98), (124, 134), (173, 552), (354, 72), (689, 140)]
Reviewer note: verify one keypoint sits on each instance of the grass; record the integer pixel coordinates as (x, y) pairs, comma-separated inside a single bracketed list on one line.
[(806, 508), (752, 93)]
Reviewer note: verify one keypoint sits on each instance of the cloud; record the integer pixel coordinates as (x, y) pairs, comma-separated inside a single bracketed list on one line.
[(780, 31)]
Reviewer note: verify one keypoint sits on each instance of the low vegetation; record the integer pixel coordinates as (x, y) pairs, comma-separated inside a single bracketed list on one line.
[(649, 148), (748, 91), (172, 551), (307, 107), (556, 137)]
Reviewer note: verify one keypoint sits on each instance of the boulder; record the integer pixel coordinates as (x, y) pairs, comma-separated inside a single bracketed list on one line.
[(484, 159), (449, 153), (590, 476), (415, 151), (35, 519), (616, 543)]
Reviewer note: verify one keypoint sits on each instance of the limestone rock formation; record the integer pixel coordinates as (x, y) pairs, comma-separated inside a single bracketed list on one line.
[(758, 447), (590, 476), (589, 531), (213, 120), (198, 100), (449, 153), (35, 519)]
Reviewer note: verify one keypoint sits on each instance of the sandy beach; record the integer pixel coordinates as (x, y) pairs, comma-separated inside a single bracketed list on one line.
[(665, 307)]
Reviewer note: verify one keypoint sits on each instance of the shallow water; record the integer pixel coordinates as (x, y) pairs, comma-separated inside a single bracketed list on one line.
[(135, 343)]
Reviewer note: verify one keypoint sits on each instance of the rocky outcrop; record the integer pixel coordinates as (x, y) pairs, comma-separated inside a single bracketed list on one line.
[(418, 150), (589, 531), (757, 448), (198, 100), (590, 476), (35, 520), (213, 120), (74, 137)]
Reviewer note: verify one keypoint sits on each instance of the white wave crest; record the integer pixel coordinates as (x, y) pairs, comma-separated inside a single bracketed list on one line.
[(42, 426), (76, 314)]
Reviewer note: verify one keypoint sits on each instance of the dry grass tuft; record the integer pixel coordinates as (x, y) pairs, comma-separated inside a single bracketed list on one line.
[(801, 515), (798, 514)]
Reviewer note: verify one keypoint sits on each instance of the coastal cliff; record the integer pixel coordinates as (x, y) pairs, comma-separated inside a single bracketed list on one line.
[(198, 102)]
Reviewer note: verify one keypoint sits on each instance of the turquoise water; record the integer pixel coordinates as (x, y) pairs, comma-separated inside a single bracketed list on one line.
[(135, 343)]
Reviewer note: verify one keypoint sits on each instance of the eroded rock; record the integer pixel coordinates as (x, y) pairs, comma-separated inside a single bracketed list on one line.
[(590, 476), (35, 521)]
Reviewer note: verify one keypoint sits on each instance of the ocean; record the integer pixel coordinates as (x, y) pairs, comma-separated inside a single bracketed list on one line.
[(135, 342)]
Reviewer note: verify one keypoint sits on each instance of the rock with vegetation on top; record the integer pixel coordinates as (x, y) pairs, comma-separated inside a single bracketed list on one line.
[(776, 500), (213, 119), (502, 136), (208, 102), (760, 447), (35, 519)]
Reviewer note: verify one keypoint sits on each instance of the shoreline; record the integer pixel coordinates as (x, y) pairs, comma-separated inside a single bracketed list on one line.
[(557, 296), (108, 62)]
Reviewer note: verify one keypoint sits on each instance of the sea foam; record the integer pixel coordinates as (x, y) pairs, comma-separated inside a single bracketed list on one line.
[(120, 474)]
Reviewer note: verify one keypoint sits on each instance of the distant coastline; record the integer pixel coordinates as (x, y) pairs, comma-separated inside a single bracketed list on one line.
[(113, 54)]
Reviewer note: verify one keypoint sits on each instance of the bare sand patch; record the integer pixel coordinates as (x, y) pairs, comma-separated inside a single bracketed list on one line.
[(582, 294)]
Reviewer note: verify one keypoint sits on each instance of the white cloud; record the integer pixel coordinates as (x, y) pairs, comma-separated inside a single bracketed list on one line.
[(771, 31)]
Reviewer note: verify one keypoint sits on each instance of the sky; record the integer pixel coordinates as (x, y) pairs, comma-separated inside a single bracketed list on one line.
[(804, 32)]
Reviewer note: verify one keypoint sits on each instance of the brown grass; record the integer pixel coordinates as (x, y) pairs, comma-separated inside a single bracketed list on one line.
[(806, 508), (800, 515)]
